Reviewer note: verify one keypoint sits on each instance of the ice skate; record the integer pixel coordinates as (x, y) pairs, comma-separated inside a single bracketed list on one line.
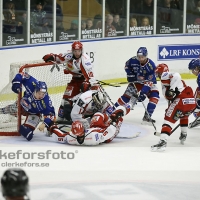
[(161, 146), (195, 123), (147, 120), (182, 138)]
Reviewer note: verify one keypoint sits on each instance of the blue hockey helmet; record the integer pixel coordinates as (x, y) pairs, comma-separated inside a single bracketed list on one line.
[(142, 51), (41, 86), (194, 63)]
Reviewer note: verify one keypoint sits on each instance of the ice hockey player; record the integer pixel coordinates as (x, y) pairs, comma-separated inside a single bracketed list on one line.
[(194, 66), (181, 105), (34, 103), (79, 65), (103, 129), (88, 103), (140, 72), (15, 184)]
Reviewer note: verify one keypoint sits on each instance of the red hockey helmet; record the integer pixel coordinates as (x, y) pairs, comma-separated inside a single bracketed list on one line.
[(161, 68), (77, 45), (77, 128)]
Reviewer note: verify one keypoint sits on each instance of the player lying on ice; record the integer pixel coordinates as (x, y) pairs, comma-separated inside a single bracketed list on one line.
[(140, 72), (102, 129), (34, 103), (194, 66), (181, 103)]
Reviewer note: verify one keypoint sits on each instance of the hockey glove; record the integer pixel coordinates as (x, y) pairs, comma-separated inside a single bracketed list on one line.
[(49, 58), (172, 94), (16, 88), (141, 97), (116, 115)]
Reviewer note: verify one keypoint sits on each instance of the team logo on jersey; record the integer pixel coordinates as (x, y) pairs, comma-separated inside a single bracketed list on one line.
[(34, 105), (140, 78), (43, 104), (150, 77), (165, 74), (96, 136), (80, 103), (178, 114), (88, 64), (150, 65)]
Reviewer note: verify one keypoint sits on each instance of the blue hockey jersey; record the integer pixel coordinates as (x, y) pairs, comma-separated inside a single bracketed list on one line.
[(28, 101), (138, 73)]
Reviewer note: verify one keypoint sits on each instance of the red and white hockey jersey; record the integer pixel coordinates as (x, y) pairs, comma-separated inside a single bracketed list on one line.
[(77, 67), (85, 106)]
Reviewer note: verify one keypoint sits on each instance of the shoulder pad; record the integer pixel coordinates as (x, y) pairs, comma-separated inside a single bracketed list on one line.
[(85, 56)]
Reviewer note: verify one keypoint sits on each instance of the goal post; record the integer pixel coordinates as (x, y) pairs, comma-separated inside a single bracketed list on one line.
[(50, 73)]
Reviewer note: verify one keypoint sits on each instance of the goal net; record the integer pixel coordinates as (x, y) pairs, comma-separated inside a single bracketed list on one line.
[(56, 82)]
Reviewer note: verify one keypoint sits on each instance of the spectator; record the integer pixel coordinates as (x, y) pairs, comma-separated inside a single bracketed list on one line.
[(120, 27), (133, 22), (197, 21), (83, 24), (73, 31), (48, 8), (89, 24), (10, 14), (110, 30), (38, 20), (145, 21), (97, 20), (146, 7)]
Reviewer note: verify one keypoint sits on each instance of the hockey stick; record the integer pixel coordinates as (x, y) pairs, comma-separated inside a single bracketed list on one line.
[(146, 110), (106, 94), (129, 137), (63, 122), (158, 133), (109, 84)]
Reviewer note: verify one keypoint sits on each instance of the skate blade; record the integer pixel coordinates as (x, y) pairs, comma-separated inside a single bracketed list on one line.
[(146, 123), (156, 149), (182, 142)]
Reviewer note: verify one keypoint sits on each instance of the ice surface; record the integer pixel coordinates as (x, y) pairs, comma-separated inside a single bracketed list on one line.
[(124, 169)]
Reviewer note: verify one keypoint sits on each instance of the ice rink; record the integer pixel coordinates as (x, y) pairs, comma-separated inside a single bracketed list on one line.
[(124, 169)]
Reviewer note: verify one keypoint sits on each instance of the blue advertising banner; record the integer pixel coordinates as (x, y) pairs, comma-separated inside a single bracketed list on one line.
[(178, 52)]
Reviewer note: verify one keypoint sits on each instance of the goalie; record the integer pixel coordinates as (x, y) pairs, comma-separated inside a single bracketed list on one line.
[(181, 105), (34, 103), (78, 64), (102, 129)]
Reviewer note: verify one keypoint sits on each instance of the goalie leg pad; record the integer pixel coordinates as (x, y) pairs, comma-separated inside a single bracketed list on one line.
[(26, 131), (10, 109)]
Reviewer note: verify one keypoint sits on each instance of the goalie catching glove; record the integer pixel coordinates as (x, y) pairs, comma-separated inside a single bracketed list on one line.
[(172, 94)]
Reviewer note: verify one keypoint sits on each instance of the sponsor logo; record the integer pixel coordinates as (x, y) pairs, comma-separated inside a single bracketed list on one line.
[(188, 101), (97, 137), (170, 52)]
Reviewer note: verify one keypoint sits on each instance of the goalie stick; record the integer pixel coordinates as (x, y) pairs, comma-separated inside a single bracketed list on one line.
[(129, 137)]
